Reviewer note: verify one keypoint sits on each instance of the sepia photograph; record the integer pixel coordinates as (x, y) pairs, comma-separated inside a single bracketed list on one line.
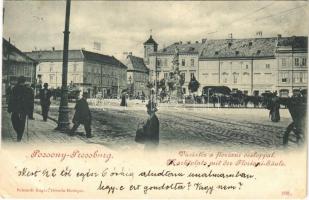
[(157, 78)]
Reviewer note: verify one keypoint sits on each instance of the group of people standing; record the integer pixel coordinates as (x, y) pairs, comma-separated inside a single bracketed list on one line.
[(20, 101), (21, 104)]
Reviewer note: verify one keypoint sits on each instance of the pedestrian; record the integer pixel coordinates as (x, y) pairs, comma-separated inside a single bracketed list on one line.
[(45, 95), (82, 116), (31, 100), (123, 99), (151, 128), (143, 97), (19, 104), (8, 92), (297, 106), (274, 108)]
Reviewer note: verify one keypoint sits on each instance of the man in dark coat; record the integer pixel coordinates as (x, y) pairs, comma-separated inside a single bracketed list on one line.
[(151, 128), (45, 95), (274, 108), (297, 106), (124, 100), (30, 98), (82, 116), (19, 106)]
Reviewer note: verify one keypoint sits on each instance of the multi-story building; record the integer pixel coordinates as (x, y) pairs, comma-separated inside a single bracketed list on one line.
[(161, 61), (89, 71), (14, 64), (292, 54), (248, 65), (252, 65), (137, 75)]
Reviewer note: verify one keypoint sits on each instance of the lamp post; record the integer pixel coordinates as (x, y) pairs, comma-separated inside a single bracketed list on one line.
[(63, 118)]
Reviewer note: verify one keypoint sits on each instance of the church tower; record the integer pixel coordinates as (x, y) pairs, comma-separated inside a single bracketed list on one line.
[(150, 46)]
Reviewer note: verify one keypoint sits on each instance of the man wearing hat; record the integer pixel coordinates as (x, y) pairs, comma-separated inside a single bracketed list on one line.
[(82, 116), (45, 95), (19, 105), (151, 128)]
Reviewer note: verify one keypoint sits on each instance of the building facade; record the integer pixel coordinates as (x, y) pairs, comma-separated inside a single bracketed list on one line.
[(91, 72), (292, 56), (161, 61), (14, 64), (252, 65), (137, 75), (248, 65)]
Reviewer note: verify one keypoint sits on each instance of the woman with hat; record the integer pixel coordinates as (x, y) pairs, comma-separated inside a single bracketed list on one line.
[(151, 128)]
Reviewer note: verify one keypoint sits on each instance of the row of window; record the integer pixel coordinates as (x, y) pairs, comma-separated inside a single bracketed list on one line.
[(18, 70), (297, 62), (163, 62), (183, 74), (297, 77)]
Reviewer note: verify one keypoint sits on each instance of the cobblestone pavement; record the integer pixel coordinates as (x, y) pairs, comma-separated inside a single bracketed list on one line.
[(115, 126), (185, 128)]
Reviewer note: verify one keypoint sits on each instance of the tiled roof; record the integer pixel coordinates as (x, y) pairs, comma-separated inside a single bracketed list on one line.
[(137, 64), (15, 53), (192, 48), (103, 58), (239, 48), (76, 55), (56, 55), (295, 41), (151, 41)]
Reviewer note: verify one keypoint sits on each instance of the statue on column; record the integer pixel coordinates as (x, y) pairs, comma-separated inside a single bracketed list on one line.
[(175, 80)]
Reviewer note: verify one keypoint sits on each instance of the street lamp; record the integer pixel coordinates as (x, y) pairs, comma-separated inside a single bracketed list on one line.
[(63, 118)]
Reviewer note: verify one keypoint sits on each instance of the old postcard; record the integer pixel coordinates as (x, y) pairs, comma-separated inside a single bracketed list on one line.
[(154, 99)]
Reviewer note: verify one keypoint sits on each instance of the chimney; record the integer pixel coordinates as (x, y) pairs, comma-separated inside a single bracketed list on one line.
[(204, 40), (231, 36), (259, 33), (279, 36), (53, 48)]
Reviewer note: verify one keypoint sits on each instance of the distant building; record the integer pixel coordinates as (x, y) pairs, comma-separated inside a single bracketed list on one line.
[(292, 58), (91, 72), (188, 61), (252, 65), (137, 75), (150, 46), (248, 65), (14, 64)]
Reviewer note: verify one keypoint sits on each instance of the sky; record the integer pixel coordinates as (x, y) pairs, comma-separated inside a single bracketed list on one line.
[(123, 26)]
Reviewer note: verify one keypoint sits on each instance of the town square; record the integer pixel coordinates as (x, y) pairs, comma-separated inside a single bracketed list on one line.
[(190, 77)]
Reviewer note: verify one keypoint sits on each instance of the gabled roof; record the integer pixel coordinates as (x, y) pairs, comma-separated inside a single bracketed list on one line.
[(15, 54), (75, 55), (239, 48), (137, 64), (151, 41)]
